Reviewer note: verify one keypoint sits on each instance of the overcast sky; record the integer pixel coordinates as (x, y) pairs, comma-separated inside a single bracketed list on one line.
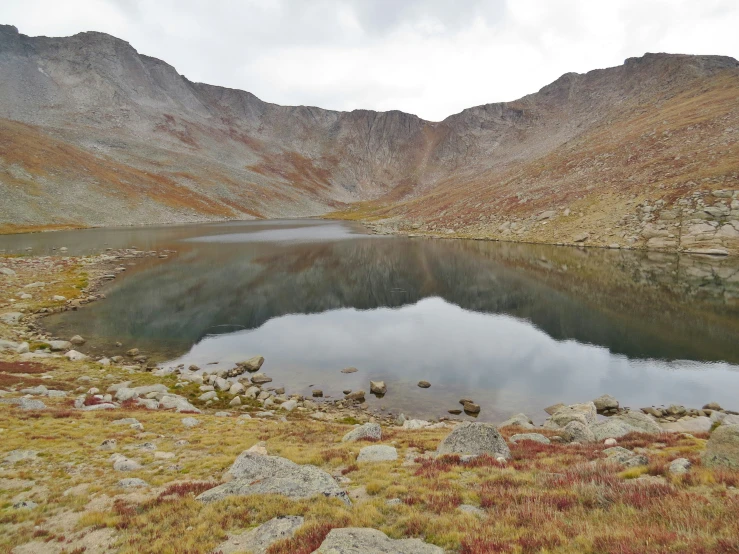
[(428, 57)]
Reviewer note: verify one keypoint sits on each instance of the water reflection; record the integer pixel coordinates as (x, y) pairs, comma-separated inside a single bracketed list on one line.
[(517, 324)]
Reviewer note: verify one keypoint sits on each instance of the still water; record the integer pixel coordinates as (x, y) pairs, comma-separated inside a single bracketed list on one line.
[(514, 327)]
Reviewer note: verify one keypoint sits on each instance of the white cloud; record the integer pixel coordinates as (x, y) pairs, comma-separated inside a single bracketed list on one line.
[(429, 57)]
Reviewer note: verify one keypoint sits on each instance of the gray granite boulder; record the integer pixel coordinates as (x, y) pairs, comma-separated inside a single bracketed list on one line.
[(535, 437), (522, 420), (367, 431), (722, 448), (371, 541), (642, 422), (475, 439), (258, 474), (612, 428), (377, 453), (584, 413), (178, 403), (576, 431), (625, 457), (259, 539)]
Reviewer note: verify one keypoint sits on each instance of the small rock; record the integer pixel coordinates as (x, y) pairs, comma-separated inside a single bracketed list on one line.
[(77, 340), (252, 364), (289, 406), (680, 466), (358, 395), (109, 444), (471, 408), (317, 393), (377, 453), (132, 352), (424, 384), (235, 401), (59, 345), (75, 356), (610, 442), (121, 463), (190, 422), (25, 505), (260, 379), (378, 388), (349, 370), (132, 483)]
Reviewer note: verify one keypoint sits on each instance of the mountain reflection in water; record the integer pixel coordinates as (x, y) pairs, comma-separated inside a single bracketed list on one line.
[(514, 325)]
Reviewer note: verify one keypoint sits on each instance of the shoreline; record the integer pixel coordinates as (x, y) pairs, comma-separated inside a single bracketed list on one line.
[(383, 229), (101, 269)]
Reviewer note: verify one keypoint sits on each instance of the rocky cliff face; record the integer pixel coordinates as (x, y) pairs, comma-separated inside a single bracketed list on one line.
[(94, 133)]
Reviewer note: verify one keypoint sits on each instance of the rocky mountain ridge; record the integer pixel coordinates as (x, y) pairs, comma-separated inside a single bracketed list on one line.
[(94, 133)]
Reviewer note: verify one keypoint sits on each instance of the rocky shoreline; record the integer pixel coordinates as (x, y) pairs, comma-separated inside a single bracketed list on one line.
[(243, 388)]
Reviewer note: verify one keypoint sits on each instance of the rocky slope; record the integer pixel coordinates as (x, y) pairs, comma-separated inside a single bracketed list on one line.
[(94, 133)]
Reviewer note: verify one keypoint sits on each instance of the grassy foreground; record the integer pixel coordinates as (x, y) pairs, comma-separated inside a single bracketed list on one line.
[(552, 498)]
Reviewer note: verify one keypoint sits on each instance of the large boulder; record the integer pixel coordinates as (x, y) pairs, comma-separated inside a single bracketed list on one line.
[(625, 457), (584, 413), (258, 474), (178, 403), (605, 403), (642, 422), (722, 448), (352, 540), (612, 428), (521, 420), (258, 540), (371, 431), (698, 424), (475, 439), (576, 431)]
